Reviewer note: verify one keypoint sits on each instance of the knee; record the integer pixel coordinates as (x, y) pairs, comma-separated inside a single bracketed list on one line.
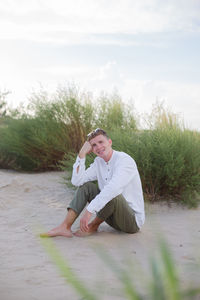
[(88, 189), (87, 186), (116, 202), (131, 228), (120, 198), (132, 231)]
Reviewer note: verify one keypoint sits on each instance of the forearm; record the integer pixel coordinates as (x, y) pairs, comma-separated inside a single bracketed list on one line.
[(86, 149), (82, 154), (78, 171), (83, 175), (106, 195)]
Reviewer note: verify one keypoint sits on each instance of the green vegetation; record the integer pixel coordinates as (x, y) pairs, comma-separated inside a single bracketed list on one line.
[(162, 284), (48, 134)]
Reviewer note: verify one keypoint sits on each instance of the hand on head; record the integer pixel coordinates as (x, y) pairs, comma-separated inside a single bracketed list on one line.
[(86, 149)]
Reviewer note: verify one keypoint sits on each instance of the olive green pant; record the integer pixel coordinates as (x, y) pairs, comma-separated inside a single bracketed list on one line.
[(117, 213)]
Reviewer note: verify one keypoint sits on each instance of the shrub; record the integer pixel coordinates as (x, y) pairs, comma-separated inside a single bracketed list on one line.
[(53, 128)]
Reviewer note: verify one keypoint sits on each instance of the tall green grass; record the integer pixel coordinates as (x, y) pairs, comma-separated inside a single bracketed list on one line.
[(168, 160), (162, 283), (50, 131), (54, 126)]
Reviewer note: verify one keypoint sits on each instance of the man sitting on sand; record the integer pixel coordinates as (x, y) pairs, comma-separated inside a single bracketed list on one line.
[(118, 198)]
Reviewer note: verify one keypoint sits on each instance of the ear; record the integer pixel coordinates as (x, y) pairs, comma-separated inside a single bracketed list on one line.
[(110, 142)]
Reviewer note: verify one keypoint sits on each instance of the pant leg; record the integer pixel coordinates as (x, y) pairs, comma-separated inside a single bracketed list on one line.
[(85, 193), (119, 215)]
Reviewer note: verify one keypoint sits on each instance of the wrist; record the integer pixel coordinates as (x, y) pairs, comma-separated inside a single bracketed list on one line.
[(81, 155)]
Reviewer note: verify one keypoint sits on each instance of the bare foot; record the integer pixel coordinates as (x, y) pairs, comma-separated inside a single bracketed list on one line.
[(92, 229), (58, 231), (80, 233)]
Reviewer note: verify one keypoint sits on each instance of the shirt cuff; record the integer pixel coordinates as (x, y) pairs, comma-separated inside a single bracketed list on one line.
[(80, 161), (90, 208)]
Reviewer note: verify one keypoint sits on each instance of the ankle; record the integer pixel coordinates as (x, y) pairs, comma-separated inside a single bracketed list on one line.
[(93, 226), (68, 227)]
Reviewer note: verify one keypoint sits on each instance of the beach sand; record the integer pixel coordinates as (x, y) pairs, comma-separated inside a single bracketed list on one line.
[(29, 202)]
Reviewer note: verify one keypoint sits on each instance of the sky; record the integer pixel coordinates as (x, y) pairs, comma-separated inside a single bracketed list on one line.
[(147, 50)]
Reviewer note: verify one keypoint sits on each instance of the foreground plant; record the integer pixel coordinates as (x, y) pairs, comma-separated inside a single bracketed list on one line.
[(164, 283), (66, 270)]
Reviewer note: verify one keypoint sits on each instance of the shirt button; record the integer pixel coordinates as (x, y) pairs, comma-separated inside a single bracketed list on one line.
[(106, 178)]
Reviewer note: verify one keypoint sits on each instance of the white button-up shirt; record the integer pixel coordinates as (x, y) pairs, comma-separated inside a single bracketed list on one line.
[(117, 176)]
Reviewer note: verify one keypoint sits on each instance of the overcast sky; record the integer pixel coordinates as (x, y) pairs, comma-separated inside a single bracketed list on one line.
[(146, 49)]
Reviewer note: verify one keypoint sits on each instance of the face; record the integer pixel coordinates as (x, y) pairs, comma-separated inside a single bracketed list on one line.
[(102, 147)]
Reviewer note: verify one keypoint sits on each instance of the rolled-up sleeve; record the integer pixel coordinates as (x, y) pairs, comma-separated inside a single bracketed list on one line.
[(80, 175)]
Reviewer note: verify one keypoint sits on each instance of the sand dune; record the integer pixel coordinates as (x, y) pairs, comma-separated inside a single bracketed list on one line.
[(26, 272)]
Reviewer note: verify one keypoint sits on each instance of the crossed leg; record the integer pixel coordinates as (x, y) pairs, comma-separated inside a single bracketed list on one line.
[(117, 213)]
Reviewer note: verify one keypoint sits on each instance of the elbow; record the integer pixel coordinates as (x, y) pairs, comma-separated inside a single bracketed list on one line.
[(75, 182)]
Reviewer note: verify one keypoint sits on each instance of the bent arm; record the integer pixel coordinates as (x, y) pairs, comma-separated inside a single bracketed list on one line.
[(80, 175), (124, 173)]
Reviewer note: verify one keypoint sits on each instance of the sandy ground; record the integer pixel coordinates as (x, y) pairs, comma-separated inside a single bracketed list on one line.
[(27, 272)]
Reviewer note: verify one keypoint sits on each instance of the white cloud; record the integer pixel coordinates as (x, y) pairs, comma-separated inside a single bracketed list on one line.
[(79, 20), (97, 22), (180, 98)]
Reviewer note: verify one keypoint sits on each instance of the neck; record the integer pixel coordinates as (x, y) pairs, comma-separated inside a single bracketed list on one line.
[(109, 156)]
